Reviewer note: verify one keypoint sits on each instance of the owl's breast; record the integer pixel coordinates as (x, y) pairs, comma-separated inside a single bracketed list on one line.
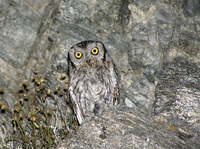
[(94, 83), (90, 87), (94, 87)]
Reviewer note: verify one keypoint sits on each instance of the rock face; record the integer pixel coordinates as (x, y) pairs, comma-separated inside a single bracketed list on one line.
[(123, 127), (177, 96), (155, 45), (22, 24)]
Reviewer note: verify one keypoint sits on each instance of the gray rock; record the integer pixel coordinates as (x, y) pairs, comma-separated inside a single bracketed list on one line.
[(140, 93), (124, 127), (22, 24), (177, 94)]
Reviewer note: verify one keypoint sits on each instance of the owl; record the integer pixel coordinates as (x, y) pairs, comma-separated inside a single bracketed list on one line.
[(93, 79)]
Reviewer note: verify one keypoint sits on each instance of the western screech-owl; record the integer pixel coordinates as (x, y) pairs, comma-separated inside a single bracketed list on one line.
[(93, 79)]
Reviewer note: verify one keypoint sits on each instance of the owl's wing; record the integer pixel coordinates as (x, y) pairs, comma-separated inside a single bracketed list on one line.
[(76, 107), (116, 79)]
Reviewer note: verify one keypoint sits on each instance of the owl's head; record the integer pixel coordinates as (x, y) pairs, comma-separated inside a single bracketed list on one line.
[(87, 54)]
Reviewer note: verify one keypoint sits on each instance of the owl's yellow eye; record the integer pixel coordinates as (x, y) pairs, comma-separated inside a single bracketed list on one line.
[(78, 55), (95, 51)]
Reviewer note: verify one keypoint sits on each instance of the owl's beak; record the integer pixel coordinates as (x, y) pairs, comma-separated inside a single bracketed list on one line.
[(88, 62)]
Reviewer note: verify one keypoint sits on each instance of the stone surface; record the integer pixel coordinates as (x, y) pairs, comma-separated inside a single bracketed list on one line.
[(23, 47), (141, 37), (22, 23), (125, 127), (177, 94)]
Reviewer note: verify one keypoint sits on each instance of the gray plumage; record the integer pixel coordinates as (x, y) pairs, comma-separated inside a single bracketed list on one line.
[(93, 79)]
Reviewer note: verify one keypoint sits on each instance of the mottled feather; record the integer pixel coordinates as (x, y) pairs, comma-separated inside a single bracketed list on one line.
[(94, 80)]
